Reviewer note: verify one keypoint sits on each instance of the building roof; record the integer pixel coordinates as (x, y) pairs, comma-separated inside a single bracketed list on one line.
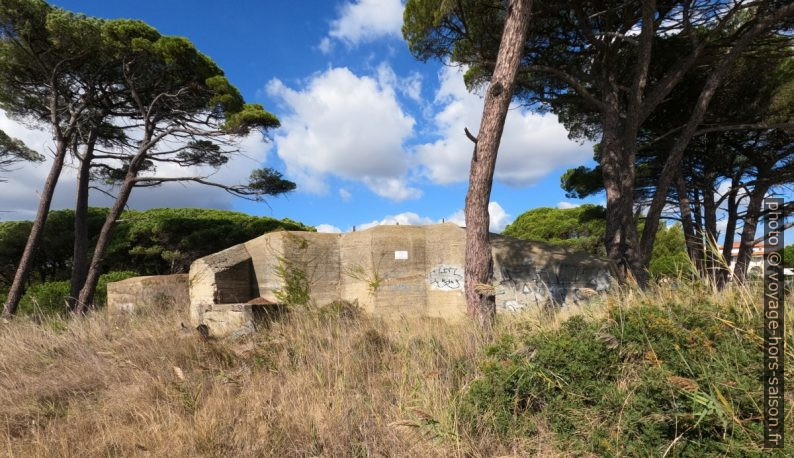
[(759, 248)]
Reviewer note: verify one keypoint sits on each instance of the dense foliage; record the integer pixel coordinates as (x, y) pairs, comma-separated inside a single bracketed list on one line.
[(635, 383), (157, 241), (669, 258), (581, 228)]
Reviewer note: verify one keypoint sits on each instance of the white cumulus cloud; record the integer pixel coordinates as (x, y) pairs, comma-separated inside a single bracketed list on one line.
[(410, 86), (405, 219), (325, 45), (566, 205), (366, 20), (327, 229), (499, 218), (349, 126), (532, 145), (345, 195)]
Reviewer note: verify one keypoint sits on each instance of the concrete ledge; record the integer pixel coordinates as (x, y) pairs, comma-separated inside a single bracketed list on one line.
[(141, 293), (228, 320)]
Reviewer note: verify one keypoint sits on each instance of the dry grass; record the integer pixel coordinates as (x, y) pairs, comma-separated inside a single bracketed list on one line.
[(310, 385)]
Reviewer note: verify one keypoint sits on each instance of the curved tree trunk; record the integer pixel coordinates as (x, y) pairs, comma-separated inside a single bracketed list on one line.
[(748, 232), (86, 297), (480, 300), (26, 261), (80, 252)]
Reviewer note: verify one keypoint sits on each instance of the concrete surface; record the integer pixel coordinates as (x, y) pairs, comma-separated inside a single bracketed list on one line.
[(389, 270), (142, 293)]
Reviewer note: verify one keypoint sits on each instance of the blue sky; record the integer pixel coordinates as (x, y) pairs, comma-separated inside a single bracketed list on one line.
[(368, 132)]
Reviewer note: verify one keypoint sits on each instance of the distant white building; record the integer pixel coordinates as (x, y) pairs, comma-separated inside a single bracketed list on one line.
[(756, 265)]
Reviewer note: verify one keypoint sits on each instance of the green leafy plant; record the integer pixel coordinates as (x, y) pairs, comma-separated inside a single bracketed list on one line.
[(296, 286)]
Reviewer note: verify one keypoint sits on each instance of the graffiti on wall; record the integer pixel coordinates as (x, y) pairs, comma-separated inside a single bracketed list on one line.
[(446, 278), (525, 285)]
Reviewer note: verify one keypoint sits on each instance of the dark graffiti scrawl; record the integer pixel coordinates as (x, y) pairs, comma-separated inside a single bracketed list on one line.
[(527, 285), (446, 278)]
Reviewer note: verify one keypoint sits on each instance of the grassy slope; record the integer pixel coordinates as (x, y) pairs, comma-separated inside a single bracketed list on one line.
[(325, 383)]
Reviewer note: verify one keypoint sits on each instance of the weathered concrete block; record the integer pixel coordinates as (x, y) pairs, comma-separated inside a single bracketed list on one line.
[(142, 293), (228, 320), (388, 270), (226, 277)]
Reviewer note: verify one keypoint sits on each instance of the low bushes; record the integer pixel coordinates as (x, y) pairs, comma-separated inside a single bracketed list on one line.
[(685, 380)]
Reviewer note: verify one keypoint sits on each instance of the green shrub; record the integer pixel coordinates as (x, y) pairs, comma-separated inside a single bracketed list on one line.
[(581, 228), (630, 384), (340, 310), (50, 298), (669, 257), (47, 298)]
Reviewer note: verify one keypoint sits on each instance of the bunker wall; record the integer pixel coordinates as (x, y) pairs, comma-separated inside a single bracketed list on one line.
[(388, 270), (144, 293)]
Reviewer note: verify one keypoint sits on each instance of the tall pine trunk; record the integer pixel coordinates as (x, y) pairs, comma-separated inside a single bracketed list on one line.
[(480, 299), (80, 251), (691, 239), (26, 261), (710, 224), (621, 236), (86, 297), (730, 231)]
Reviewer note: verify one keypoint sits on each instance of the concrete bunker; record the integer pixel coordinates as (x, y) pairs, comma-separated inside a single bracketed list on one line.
[(139, 294), (389, 270)]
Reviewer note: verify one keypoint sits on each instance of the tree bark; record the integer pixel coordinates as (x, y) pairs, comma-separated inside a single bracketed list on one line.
[(80, 252), (693, 247), (36, 231), (621, 125), (730, 231), (618, 173), (86, 297), (710, 224), (748, 232), (619, 201), (480, 299)]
